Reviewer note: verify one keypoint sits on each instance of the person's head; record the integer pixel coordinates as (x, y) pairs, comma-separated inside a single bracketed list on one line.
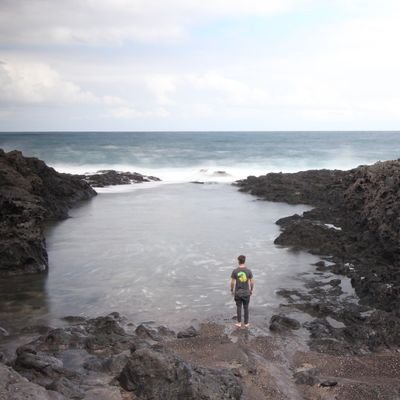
[(241, 259)]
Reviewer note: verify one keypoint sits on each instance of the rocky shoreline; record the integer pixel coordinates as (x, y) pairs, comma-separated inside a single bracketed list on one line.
[(354, 227), (321, 344), (31, 195), (355, 221), (111, 358)]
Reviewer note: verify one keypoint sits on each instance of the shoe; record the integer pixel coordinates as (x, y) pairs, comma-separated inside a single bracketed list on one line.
[(246, 325), (238, 324)]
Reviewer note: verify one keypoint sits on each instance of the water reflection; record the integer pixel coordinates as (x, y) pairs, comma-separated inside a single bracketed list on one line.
[(23, 299)]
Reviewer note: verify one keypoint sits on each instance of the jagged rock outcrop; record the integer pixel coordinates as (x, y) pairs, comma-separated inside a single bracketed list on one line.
[(31, 194), (312, 187)]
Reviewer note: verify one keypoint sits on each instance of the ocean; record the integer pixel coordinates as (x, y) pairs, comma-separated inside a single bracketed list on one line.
[(180, 157), (165, 251)]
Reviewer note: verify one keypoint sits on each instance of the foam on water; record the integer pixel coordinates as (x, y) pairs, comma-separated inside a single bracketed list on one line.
[(204, 173), (184, 157)]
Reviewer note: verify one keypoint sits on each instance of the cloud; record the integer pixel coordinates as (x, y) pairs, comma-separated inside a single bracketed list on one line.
[(294, 64), (162, 87), (352, 73), (27, 84), (44, 22), (232, 91), (35, 83), (133, 113)]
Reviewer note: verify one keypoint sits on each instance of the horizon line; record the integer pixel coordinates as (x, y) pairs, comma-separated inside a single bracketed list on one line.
[(204, 131)]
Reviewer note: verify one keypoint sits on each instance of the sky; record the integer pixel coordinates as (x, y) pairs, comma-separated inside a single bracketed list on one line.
[(145, 65)]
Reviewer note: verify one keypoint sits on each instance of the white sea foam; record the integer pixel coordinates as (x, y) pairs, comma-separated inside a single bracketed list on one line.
[(127, 188), (176, 175), (225, 170)]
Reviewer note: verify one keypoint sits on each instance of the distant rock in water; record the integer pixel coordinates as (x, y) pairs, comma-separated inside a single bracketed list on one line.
[(31, 193), (112, 177), (220, 173), (215, 174)]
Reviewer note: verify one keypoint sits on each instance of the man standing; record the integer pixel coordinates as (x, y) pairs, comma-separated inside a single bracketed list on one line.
[(240, 279)]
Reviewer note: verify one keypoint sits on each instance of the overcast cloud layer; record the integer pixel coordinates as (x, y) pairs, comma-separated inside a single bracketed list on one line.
[(199, 65)]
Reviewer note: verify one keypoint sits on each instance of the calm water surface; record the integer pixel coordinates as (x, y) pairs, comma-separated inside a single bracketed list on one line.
[(163, 253)]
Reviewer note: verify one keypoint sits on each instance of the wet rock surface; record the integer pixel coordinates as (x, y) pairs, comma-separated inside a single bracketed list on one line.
[(354, 227), (281, 323), (155, 373), (15, 387), (188, 332), (32, 194), (220, 362), (112, 177), (107, 356)]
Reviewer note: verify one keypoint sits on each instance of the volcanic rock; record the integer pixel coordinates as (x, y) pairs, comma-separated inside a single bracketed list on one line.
[(187, 333), (356, 221), (156, 373), (112, 177), (281, 323), (15, 387), (31, 194)]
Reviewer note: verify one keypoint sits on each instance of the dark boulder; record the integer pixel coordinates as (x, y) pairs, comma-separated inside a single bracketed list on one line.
[(15, 387), (107, 335), (157, 334), (38, 361), (115, 363), (281, 323), (156, 373), (188, 333)]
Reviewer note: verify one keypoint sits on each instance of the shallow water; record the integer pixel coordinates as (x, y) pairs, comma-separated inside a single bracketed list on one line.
[(163, 253)]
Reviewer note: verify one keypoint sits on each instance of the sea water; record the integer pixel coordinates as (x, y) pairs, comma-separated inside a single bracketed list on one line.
[(198, 155), (165, 251)]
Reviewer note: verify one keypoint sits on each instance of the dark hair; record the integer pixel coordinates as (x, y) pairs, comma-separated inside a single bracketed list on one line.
[(242, 259)]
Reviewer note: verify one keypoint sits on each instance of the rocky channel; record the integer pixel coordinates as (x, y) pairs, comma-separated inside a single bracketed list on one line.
[(319, 344)]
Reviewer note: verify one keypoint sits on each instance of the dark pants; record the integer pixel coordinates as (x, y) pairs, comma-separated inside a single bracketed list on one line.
[(242, 300)]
